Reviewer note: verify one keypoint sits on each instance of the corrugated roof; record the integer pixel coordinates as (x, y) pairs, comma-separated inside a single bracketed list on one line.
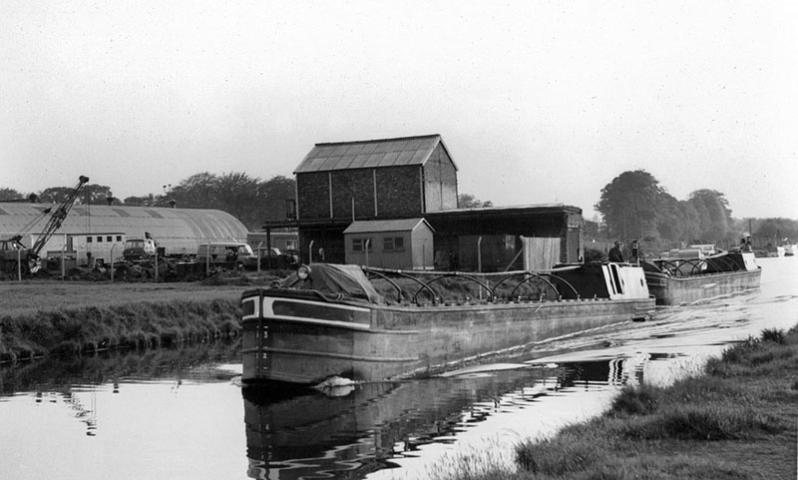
[(177, 229), (386, 152), (374, 226)]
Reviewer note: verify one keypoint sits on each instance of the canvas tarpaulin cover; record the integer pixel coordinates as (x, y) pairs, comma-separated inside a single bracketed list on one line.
[(334, 279)]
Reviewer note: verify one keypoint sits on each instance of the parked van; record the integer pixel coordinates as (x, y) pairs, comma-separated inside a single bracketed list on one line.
[(228, 254)]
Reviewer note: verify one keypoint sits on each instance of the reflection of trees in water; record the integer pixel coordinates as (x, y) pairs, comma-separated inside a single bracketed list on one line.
[(57, 374)]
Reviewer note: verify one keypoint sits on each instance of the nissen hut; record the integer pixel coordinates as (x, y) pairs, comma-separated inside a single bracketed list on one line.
[(403, 243)]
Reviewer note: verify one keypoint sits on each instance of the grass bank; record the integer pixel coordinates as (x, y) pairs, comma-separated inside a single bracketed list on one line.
[(40, 318), (739, 420)]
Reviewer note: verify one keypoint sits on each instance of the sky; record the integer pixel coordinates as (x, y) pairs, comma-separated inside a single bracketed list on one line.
[(537, 101)]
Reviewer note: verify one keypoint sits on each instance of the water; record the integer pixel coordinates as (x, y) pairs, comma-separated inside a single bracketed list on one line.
[(171, 414)]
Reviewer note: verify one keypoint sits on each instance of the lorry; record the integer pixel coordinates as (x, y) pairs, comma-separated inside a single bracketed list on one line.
[(139, 248), (228, 255)]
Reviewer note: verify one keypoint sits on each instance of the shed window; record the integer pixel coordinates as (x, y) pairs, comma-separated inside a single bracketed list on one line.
[(358, 244), (119, 238), (109, 238), (88, 239), (393, 244), (99, 238)]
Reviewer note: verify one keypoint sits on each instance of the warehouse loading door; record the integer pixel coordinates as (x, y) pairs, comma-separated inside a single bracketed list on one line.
[(541, 253)]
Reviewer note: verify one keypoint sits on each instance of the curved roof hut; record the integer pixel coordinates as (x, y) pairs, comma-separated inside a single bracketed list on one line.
[(177, 230)]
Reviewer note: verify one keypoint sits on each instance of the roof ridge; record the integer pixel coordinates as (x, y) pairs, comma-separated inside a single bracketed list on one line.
[(412, 137)]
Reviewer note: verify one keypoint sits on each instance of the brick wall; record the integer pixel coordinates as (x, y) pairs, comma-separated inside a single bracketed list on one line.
[(347, 184), (399, 191), (314, 195)]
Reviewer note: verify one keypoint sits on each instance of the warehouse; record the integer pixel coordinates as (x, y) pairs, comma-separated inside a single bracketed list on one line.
[(99, 230), (347, 183)]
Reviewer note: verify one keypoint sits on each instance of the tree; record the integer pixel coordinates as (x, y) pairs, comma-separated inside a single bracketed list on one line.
[(669, 217), (10, 195), (249, 199), (467, 200), (145, 201), (197, 191), (714, 215), (94, 194), (237, 194), (629, 205), (274, 195), (58, 195), (777, 229)]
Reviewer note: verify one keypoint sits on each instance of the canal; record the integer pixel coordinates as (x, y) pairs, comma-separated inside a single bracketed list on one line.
[(182, 414)]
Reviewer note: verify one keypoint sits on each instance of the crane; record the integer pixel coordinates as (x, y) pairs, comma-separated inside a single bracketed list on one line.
[(13, 248)]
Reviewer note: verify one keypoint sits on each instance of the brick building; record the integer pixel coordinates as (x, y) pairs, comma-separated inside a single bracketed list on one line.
[(338, 183)]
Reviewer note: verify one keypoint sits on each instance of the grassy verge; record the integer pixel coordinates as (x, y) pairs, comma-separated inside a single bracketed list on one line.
[(737, 421), (40, 318)]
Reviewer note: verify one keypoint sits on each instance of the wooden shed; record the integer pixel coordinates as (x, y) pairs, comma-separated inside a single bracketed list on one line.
[(402, 244)]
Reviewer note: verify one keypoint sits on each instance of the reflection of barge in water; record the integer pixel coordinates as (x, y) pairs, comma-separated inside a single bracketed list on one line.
[(328, 320), (371, 425), (314, 436), (675, 281)]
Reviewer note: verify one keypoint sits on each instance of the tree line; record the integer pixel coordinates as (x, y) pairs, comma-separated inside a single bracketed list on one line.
[(633, 205), (251, 200)]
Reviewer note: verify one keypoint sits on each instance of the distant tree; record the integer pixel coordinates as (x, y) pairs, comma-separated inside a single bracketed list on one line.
[(58, 195), (629, 205), (10, 195), (144, 201), (669, 221), (590, 229), (250, 200), (467, 200), (777, 230), (94, 194), (714, 215), (237, 194), (274, 194), (691, 223), (197, 191)]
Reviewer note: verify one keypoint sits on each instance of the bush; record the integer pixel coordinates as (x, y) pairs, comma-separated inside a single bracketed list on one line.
[(773, 335), (635, 401)]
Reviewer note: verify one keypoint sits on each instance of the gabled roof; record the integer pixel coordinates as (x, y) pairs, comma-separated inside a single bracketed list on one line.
[(375, 226), (388, 152)]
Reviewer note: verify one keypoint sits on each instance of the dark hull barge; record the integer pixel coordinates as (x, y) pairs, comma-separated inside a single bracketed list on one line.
[(334, 323), (684, 281)]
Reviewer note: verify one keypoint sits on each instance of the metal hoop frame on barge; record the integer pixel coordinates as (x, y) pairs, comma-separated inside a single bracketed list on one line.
[(549, 279)]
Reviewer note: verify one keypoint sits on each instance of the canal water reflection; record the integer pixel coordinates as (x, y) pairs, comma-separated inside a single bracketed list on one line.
[(174, 414)]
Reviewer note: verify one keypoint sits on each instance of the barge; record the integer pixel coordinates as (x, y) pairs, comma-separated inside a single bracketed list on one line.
[(329, 320), (676, 281)]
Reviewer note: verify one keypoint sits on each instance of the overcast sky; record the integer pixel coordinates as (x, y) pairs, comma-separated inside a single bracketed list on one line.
[(537, 101)]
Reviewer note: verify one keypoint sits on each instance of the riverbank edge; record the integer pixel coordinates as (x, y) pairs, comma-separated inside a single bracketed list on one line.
[(72, 331), (736, 420)]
